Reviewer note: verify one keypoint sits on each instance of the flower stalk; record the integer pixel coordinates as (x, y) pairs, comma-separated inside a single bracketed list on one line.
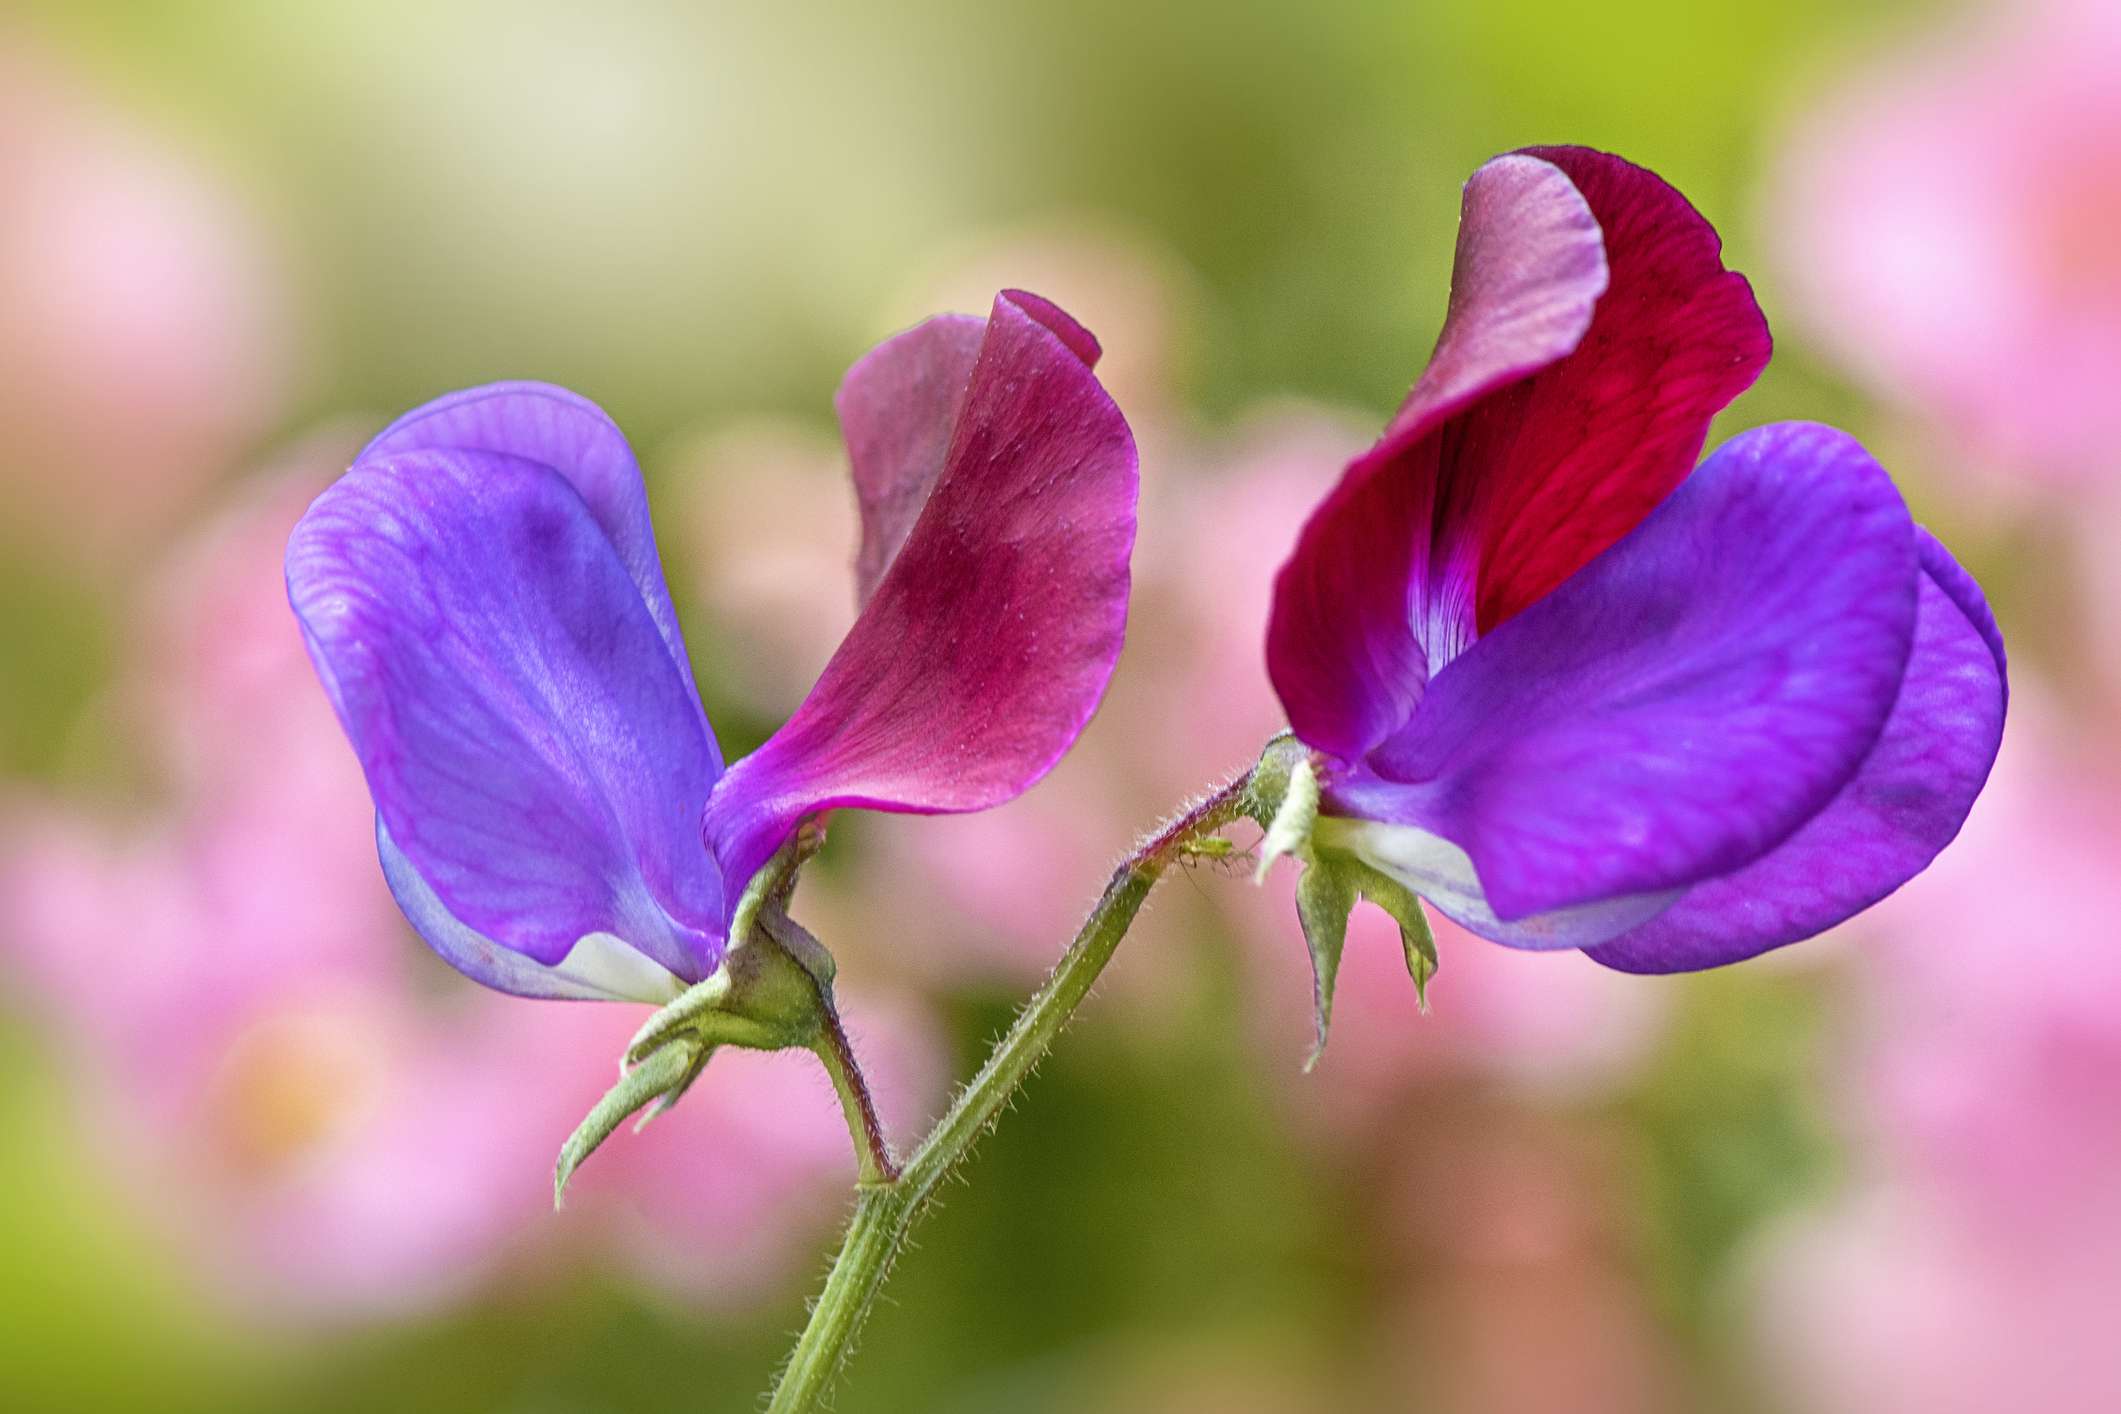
[(884, 1213)]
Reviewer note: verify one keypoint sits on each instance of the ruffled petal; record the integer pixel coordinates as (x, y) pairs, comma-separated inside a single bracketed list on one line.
[(538, 760), (1685, 702), (899, 405), (1346, 657), (1903, 807), (572, 436), (993, 632)]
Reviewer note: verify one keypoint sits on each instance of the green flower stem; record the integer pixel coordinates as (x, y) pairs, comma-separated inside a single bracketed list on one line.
[(872, 1152), (884, 1212)]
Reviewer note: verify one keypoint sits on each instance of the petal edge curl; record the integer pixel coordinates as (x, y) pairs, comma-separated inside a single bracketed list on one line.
[(992, 634)]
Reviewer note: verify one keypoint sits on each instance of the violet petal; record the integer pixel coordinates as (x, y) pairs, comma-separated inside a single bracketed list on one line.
[(535, 753), (565, 431), (1689, 699), (1905, 804)]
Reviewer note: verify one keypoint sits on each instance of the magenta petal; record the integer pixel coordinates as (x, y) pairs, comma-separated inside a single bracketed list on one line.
[(1686, 701), (898, 406), (536, 756), (1080, 341), (572, 436), (1905, 804), (1343, 646), (993, 633), (1554, 469)]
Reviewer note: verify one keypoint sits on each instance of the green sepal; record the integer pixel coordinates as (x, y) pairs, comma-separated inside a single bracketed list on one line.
[(772, 992), (1324, 899), (675, 1093), (1419, 942), (653, 1078), (1416, 937)]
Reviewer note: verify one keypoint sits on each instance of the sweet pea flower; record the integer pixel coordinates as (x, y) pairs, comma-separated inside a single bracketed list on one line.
[(1580, 693), (273, 1081), (482, 599)]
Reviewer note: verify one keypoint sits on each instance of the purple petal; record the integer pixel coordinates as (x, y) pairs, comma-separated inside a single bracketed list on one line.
[(993, 633), (1343, 650), (1689, 699), (537, 758), (571, 435), (898, 406), (1886, 825), (599, 967)]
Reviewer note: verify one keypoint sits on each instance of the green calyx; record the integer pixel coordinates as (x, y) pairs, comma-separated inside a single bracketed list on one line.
[(1286, 797), (772, 992)]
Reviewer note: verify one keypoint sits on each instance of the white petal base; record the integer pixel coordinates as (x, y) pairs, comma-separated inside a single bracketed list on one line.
[(1443, 874), (599, 967)]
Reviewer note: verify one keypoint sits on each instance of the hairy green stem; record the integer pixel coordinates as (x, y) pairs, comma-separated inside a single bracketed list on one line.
[(884, 1212), (872, 1152)]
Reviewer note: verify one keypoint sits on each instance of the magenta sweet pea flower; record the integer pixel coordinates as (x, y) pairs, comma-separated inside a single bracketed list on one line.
[(482, 598), (1578, 692)]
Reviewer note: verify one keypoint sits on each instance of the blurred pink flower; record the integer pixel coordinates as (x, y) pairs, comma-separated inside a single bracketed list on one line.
[(1498, 1221), (2094, 527), (769, 530), (1947, 221), (142, 324), (1972, 1267), (309, 1104)]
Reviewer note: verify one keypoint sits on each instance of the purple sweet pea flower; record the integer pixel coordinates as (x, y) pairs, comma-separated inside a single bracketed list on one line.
[(482, 598), (1580, 693)]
